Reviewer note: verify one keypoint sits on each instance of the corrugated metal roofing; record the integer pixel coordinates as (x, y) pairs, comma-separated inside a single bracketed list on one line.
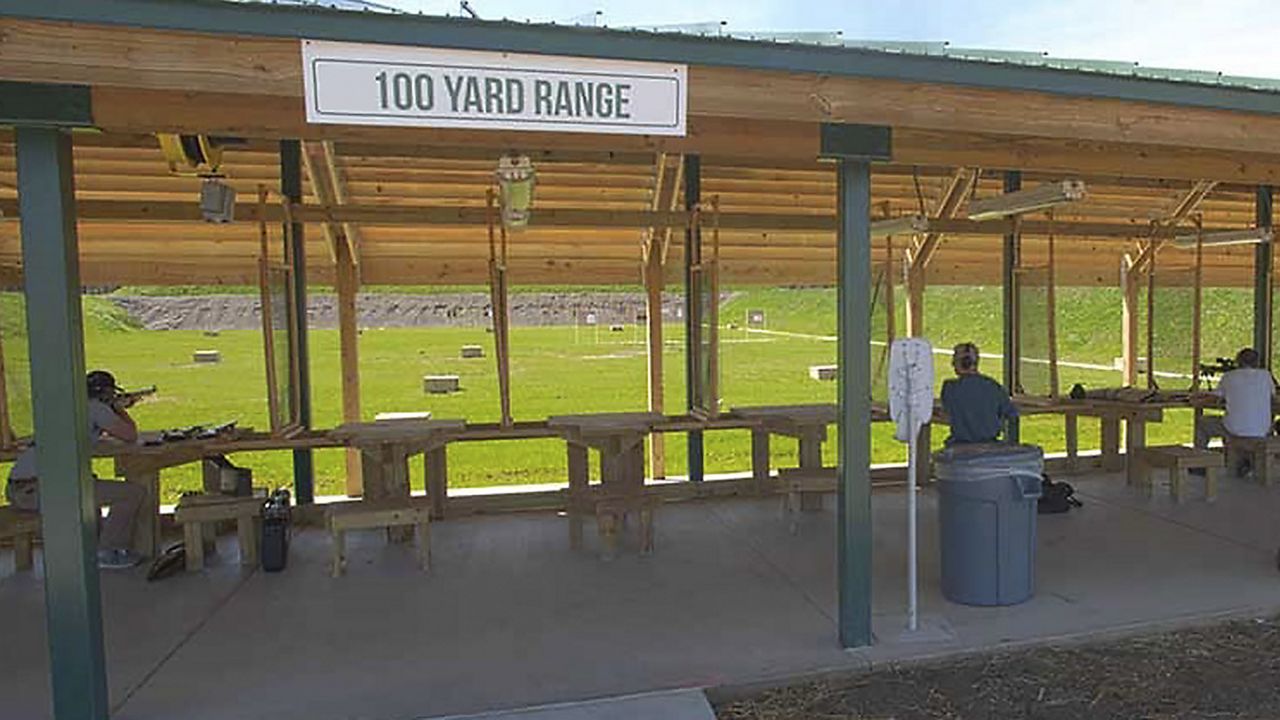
[(821, 53), (1121, 68)]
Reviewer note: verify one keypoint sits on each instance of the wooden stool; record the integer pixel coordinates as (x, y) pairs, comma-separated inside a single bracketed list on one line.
[(804, 488), (195, 510), (1260, 451), (1179, 460), (22, 526), (407, 513), (611, 516)]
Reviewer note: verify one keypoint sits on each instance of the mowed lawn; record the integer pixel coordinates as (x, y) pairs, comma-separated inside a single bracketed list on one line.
[(560, 370)]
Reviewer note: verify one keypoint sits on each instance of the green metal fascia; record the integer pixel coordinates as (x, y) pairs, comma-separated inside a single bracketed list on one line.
[(255, 19), (45, 105)]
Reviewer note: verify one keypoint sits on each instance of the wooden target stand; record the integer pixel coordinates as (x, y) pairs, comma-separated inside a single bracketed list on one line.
[(1021, 277), (283, 411)]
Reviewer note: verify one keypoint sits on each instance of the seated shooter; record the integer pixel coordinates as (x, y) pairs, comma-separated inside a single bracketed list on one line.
[(1247, 392), (977, 406), (107, 416)]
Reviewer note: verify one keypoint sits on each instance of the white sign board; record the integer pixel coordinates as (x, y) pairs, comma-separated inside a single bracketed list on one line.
[(358, 84)]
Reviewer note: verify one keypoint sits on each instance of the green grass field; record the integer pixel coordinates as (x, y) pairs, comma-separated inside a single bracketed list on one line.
[(558, 370)]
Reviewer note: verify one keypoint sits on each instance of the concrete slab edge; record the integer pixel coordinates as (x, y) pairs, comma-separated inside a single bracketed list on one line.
[(573, 704)]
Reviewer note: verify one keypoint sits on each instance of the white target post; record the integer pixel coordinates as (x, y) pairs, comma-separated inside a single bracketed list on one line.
[(911, 407)]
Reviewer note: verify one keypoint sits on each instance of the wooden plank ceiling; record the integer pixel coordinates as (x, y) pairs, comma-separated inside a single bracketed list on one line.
[(130, 251)]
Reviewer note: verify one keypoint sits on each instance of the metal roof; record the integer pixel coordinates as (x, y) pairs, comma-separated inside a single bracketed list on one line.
[(821, 53)]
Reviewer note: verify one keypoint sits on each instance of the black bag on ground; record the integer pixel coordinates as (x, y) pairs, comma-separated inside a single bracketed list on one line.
[(170, 563), (275, 532), (1056, 497)]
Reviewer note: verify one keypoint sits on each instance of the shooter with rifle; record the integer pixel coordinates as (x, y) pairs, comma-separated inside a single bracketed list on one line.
[(1247, 391), (108, 417)]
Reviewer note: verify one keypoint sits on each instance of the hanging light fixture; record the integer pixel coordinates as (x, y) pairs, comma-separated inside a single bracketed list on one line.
[(1253, 236), (516, 180)]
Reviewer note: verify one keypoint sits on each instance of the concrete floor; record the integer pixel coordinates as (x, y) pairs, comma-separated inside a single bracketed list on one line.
[(509, 617)]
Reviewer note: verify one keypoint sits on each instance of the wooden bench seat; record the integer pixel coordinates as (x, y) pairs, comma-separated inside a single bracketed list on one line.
[(23, 527), (410, 513), (611, 517), (1261, 453), (197, 513), (803, 489), (1179, 460)]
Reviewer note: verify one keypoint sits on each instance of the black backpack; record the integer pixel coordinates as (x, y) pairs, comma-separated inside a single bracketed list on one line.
[(1056, 497)]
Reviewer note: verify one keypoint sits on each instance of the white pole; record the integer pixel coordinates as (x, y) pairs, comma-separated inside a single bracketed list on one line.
[(912, 593)]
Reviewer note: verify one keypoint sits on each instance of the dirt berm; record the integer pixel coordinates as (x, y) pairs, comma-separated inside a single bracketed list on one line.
[(241, 312)]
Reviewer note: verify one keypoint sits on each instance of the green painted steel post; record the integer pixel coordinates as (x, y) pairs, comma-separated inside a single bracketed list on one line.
[(1012, 347), (853, 508), (692, 309), (1263, 281), (51, 266), (291, 188)]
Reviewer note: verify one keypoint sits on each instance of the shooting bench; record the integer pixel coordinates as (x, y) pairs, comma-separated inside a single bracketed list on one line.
[(194, 511), (1259, 451), (22, 526), (413, 514), (385, 448), (1179, 460), (611, 518), (803, 489), (619, 437)]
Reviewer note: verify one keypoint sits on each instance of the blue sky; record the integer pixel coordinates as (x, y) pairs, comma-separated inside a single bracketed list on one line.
[(1234, 36)]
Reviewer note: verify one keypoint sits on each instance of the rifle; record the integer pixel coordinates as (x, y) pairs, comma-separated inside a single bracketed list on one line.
[(129, 399)]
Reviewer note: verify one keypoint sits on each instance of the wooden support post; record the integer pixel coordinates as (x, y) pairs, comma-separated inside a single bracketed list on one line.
[(1197, 307), (1263, 280), (349, 341), (653, 319), (915, 300), (1129, 328), (1151, 318), (760, 459), (1072, 433), (498, 306), (1052, 320), (436, 470)]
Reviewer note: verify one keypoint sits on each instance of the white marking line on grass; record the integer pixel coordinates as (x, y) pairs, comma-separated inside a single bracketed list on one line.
[(989, 356)]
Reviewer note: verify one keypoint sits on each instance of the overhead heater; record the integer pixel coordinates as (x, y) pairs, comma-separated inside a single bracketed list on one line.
[(201, 156), (1254, 236), (904, 225), (1024, 201)]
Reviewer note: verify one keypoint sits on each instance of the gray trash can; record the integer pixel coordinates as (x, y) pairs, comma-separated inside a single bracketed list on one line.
[(987, 503)]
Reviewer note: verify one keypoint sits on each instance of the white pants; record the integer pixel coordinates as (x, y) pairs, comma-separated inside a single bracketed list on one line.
[(121, 498)]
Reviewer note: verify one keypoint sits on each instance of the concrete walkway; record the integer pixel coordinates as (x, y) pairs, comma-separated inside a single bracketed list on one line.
[(509, 618)]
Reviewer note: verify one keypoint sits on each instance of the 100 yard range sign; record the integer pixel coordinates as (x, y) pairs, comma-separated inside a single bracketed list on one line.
[(358, 84)]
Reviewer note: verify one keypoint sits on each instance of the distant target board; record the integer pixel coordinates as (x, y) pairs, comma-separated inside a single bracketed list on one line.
[(363, 84)]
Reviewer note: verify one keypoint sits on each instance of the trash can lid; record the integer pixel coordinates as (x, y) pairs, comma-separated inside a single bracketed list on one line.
[(986, 454)]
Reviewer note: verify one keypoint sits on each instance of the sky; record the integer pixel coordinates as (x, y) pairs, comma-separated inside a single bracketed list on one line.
[(1237, 37)]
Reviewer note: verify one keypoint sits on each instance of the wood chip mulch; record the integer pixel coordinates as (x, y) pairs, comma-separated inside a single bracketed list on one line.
[(1230, 670)]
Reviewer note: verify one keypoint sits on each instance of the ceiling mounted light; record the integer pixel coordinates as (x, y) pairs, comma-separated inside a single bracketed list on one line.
[(1025, 201), (1253, 236), (516, 180), (905, 225)]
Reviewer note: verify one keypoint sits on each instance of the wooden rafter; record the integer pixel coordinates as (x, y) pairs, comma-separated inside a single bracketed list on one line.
[(341, 196), (313, 159), (957, 190), (1182, 208)]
